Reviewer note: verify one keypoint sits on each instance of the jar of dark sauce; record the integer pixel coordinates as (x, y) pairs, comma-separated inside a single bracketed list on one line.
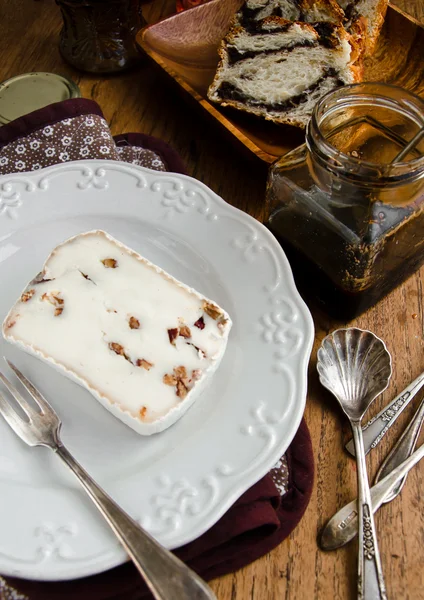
[(348, 205)]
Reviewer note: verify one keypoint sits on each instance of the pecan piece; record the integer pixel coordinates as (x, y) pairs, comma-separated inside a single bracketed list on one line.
[(185, 331), (221, 324), (53, 298), (180, 372), (169, 379), (200, 323), (134, 323), (117, 348), (182, 390), (180, 380), (27, 295), (10, 324), (110, 263), (56, 300), (212, 310), (173, 334), (141, 362), (143, 411)]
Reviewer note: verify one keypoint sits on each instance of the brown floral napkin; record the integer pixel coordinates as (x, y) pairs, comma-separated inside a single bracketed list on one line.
[(263, 516), (76, 130)]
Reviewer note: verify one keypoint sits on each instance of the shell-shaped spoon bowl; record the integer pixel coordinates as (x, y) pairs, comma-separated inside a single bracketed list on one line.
[(355, 366)]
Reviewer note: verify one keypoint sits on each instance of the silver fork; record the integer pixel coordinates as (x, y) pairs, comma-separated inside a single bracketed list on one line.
[(166, 576)]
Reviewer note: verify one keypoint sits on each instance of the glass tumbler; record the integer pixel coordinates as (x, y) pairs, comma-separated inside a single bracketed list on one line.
[(98, 36)]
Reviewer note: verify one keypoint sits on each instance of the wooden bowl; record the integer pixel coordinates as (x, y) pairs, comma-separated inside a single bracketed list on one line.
[(185, 46), (192, 37)]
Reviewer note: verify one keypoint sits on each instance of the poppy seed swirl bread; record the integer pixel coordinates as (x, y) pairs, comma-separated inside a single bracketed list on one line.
[(280, 56)]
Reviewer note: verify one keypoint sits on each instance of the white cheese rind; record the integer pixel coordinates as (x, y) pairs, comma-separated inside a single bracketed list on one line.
[(99, 309)]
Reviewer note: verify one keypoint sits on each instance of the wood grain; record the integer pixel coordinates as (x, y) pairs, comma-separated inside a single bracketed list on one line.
[(297, 569), (413, 8)]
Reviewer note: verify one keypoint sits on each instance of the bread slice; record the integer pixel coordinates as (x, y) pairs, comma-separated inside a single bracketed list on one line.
[(278, 69), (372, 12)]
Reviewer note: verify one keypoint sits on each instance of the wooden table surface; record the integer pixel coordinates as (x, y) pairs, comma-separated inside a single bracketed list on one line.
[(415, 8), (297, 569)]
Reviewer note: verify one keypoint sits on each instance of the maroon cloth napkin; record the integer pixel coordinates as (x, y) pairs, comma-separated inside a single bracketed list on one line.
[(265, 514)]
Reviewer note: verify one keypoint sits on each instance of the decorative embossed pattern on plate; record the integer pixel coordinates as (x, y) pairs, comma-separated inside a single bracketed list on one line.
[(178, 483)]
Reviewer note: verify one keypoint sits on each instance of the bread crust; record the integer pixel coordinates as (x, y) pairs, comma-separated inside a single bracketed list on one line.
[(358, 36), (372, 39), (372, 30)]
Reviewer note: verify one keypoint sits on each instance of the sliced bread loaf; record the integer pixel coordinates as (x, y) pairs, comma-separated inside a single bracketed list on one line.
[(278, 69)]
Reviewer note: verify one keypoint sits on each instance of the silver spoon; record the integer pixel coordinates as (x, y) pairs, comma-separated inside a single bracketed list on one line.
[(355, 366), (343, 526)]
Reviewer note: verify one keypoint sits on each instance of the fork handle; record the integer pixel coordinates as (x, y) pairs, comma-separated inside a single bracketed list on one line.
[(166, 576)]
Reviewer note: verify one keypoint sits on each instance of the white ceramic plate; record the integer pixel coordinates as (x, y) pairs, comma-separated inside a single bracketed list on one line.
[(177, 483)]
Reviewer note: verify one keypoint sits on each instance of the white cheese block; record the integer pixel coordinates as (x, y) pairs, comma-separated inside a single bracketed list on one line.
[(143, 343)]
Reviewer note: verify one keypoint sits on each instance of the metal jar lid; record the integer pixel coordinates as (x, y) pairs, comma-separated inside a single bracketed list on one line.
[(30, 91)]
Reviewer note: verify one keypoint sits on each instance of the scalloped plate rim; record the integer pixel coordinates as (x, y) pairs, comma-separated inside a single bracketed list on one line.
[(233, 492)]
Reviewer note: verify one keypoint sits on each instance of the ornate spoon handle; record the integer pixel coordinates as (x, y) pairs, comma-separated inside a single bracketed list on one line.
[(370, 573), (343, 526), (378, 426), (403, 448)]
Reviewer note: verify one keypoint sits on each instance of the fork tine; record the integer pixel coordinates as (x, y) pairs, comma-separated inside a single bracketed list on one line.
[(34, 393), (13, 419), (28, 410)]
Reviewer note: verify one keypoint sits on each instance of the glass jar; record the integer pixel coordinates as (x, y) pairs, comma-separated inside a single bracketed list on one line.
[(347, 206), (98, 36)]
